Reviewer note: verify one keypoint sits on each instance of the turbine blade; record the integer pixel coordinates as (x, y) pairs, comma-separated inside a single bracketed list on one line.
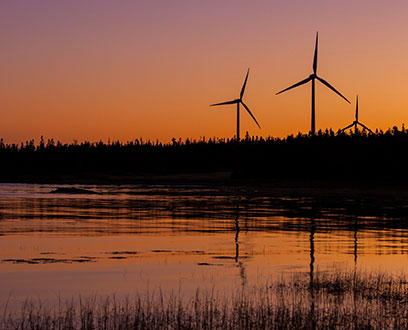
[(315, 54), (349, 126), (357, 109), (324, 82), (250, 113), (296, 85), (244, 85), (224, 103), (364, 126)]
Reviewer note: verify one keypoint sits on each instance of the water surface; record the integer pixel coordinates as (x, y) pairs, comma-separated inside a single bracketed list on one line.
[(128, 239)]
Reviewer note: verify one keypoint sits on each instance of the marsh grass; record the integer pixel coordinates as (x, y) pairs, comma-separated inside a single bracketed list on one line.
[(333, 300)]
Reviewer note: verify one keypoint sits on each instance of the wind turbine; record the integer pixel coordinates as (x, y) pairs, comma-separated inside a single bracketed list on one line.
[(312, 78), (356, 122), (238, 102)]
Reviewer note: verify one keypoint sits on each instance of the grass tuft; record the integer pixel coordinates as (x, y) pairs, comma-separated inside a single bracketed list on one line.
[(333, 300)]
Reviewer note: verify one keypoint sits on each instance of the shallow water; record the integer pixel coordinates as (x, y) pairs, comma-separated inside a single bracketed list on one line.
[(130, 239)]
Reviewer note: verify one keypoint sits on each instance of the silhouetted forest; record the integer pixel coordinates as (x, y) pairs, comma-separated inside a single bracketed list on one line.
[(327, 155)]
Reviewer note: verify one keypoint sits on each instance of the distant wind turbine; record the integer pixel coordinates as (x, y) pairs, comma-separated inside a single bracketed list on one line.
[(238, 102), (356, 122), (312, 78)]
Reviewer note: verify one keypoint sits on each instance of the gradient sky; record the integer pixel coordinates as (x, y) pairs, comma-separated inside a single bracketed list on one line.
[(81, 69)]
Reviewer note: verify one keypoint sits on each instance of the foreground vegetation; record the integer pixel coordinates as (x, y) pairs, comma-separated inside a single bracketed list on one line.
[(339, 300), (328, 155)]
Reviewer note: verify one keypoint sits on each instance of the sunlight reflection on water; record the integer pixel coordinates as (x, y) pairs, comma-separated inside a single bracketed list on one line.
[(128, 238)]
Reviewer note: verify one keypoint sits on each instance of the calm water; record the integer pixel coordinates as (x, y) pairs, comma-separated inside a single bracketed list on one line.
[(130, 239)]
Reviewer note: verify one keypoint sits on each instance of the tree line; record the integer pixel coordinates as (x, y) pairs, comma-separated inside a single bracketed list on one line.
[(326, 155)]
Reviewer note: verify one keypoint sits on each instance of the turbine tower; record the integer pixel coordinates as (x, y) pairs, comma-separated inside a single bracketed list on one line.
[(238, 102), (312, 78), (356, 122)]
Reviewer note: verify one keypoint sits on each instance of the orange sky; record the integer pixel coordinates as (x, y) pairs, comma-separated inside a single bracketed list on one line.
[(127, 69)]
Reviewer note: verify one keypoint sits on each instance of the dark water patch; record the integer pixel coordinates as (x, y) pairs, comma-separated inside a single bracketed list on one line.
[(48, 260), (73, 191), (42, 261), (81, 260), (222, 257), (208, 264), (117, 257), (86, 257), (161, 251), (191, 252), (19, 261)]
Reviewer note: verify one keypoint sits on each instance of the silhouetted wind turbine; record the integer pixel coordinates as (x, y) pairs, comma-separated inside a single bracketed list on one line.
[(356, 122), (238, 102), (312, 78)]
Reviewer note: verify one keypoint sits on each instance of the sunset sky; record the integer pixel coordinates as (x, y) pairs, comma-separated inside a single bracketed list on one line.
[(124, 69)]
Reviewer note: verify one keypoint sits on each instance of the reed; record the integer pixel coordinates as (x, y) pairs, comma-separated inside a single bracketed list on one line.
[(333, 300)]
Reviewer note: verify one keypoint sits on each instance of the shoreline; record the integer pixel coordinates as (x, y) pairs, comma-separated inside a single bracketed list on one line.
[(236, 186)]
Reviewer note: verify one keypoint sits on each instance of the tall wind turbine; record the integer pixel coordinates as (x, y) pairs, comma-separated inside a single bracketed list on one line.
[(356, 122), (238, 102), (312, 78)]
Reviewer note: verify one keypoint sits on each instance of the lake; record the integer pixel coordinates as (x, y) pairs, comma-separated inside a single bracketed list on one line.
[(129, 239)]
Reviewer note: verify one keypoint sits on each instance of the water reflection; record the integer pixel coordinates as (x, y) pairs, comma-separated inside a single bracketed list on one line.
[(122, 212), (355, 241), (312, 248), (129, 236), (311, 270), (239, 263)]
